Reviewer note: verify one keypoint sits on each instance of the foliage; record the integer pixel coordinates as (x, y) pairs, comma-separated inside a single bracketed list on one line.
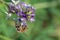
[(45, 27)]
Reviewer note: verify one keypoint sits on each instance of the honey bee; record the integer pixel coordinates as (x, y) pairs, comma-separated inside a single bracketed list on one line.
[(21, 28)]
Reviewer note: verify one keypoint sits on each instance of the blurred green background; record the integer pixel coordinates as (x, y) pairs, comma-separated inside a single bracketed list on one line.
[(45, 27)]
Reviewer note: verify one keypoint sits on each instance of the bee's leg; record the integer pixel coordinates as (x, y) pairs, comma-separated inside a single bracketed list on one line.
[(17, 27), (24, 26), (17, 24)]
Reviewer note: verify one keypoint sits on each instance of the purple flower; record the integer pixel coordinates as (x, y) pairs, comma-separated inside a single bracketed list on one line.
[(20, 12), (32, 20)]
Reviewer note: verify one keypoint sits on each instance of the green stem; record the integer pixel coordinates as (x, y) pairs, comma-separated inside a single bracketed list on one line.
[(5, 38)]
